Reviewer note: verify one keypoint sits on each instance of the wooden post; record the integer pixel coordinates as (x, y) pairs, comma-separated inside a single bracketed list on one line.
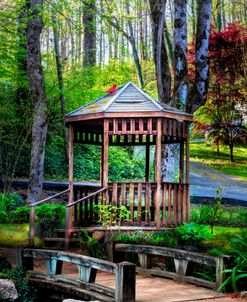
[(158, 174), (188, 172), (32, 226), (181, 162), (23, 262), (147, 178), (219, 272), (71, 193), (104, 162), (125, 282)]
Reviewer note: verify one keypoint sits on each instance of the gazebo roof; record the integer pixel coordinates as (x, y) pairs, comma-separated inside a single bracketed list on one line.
[(127, 99)]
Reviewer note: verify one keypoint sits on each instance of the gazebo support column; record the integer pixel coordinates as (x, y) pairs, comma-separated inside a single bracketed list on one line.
[(147, 176), (188, 173), (105, 162), (158, 174), (71, 193)]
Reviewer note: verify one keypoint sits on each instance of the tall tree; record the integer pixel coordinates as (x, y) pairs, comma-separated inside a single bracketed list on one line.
[(59, 76), (38, 96), (89, 40), (199, 89), (180, 54), (163, 74)]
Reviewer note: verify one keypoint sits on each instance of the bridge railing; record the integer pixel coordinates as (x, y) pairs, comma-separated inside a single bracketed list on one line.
[(87, 267), (181, 260)]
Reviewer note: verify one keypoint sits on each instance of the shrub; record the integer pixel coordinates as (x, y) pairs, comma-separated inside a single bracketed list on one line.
[(193, 234), (19, 215), (26, 292), (50, 217), (4, 264), (9, 203)]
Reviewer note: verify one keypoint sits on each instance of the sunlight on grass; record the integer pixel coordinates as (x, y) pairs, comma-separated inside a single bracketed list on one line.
[(205, 154), (14, 235)]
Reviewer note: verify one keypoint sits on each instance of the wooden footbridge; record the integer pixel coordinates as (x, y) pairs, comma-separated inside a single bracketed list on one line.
[(119, 279)]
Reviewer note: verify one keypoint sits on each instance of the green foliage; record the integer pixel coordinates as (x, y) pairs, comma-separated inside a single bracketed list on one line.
[(193, 234), (19, 215), (4, 264), (236, 273), (112, 215), (159, 238), (9, 203), (50, 217), (25, 291), (90, 246)]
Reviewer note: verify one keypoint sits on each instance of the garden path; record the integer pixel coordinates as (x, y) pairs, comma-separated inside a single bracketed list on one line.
[(205, 180)]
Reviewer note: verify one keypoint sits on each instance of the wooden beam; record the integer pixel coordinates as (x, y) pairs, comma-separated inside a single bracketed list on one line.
[(105, 159), (71, 173), (181, 162), (158, 174), (147, 176)]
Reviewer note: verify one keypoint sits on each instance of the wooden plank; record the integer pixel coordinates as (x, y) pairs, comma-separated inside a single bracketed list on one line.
[(147, 203), (149, 125), (123, 194), (181, 162), (131, 202), (139, 208), (125, 282), (114, 194), (170, 220), (175, 203), (158, 174), (164, 220), (184, 204), (105, 164), (179, 200), (124, 128), (115, 126), (165, 127), (140, 125), (147, 166), (71, 193)]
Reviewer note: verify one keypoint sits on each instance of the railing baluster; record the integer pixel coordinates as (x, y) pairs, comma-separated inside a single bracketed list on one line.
[(139, 209)]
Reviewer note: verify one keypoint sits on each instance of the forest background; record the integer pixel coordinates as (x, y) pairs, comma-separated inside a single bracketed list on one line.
[(56, 56)]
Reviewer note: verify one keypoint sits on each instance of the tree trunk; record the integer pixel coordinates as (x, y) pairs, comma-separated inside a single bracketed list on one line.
[(60, 78), (89, 41), (159, 50), (199, 90), (38, 97), (134, 49), (180, 94)]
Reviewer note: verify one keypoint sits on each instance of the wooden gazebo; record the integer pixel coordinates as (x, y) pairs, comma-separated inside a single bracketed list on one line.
[(129, 116)]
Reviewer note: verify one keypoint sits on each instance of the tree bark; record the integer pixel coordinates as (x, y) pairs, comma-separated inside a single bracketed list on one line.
[(89, 41), (180, 94), (198, 93), (38, 97), (60, 78), (163, 73)]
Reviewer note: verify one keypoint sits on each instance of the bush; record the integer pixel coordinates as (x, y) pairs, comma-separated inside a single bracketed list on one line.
[(20, 215), (9, 203), (26, 292), (50, 217), (4, 264), (193, 234)]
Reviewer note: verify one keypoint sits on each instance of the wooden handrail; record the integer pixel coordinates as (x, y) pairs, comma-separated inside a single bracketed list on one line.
[(48, 198), (86, 197)]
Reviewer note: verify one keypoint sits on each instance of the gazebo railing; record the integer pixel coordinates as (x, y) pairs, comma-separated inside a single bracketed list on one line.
[(138, 197)]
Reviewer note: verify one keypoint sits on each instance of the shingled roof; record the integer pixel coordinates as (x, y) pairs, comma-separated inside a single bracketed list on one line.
[(128, 98)]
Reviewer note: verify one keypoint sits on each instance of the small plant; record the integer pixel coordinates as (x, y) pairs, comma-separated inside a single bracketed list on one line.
[(19, 215), (238, 273), (113, 215), (90, 246), (193, 234)]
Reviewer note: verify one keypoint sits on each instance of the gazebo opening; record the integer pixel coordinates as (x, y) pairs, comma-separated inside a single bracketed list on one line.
[(126, 118)]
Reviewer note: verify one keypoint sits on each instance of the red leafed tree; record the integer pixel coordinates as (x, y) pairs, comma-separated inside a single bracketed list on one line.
[(224, 115)]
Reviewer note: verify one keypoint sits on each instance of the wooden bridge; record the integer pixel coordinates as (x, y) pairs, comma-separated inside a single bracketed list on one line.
[(92, 278)]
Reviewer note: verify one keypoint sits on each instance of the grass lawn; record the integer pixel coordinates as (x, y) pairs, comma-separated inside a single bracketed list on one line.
[(14, 235), (205, 154)]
